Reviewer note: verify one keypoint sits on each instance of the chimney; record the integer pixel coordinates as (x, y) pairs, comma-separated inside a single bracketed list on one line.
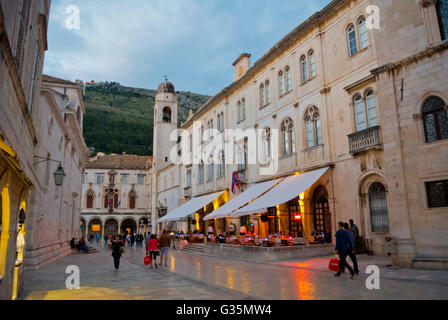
[(242, 64)]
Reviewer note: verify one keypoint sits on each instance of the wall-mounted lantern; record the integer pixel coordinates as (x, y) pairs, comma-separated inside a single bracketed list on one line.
[(59, 174)]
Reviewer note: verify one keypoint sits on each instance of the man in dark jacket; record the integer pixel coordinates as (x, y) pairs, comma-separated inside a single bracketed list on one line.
[(351, 248), (342, 245)]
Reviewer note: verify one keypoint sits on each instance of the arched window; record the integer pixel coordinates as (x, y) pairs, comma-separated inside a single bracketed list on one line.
[(201, 172), (116, 200), (202, 135), (267, 144), (365, 111), (281, 83), (363, 33), (132, 199), (359, 113), (304, 68), (220, 122), (242, 157), (442, 13), (371, 109), (435, 119), (262, 96), (238, 109), (211, 169), (166, 114), (268, 92), (288, 143), (288, 79), (312, 61), (378, 208), (222, 164), (351, 39), (90, 197), (313, 127)]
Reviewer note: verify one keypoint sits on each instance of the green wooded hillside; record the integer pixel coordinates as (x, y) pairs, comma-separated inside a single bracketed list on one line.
[(120, 119)]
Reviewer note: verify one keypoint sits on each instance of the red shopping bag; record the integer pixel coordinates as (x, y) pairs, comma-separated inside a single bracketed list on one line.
[(148, 260), (334, 265)]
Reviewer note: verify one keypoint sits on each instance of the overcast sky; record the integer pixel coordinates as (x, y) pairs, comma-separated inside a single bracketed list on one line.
[(193, 42)]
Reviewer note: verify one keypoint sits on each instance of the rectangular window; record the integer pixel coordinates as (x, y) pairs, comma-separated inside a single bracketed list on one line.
[(124, 179), (437, 194), (141, 179), (99, 179)]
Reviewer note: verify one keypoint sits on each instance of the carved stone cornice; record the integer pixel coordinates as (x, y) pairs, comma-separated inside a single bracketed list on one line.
[(428, 3), (397, 66)]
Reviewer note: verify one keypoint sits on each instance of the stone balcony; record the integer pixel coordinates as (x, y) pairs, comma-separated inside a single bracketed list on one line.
[(365, 140)]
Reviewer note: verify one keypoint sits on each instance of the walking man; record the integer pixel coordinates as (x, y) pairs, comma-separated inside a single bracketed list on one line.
[(342, 244), (351, 249), (164, 245)]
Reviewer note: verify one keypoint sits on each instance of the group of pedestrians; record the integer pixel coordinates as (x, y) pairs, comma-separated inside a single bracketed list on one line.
[(155, 246), (94, 237), (345, 246)]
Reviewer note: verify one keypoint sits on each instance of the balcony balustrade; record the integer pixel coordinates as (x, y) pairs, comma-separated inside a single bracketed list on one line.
[(365, 140)]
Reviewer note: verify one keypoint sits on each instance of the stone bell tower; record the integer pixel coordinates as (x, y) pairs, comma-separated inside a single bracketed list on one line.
[(165, 122)]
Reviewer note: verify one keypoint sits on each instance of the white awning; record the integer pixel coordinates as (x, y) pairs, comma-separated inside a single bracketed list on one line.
[(190, 207), (285, 191), (250, 194)]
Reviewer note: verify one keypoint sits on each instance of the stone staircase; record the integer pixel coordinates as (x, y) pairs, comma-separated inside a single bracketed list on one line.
[(91, 250), (197, 248)]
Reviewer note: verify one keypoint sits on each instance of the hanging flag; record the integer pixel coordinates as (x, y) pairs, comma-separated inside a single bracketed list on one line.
[(119, 203), (235, 182)]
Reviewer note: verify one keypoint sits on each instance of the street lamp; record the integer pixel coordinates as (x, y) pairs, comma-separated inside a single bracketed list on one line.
[(59, 174)]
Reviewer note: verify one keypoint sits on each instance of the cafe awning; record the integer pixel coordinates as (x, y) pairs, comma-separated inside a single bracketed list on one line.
[(250, 194), (190, 207), (286, 190)]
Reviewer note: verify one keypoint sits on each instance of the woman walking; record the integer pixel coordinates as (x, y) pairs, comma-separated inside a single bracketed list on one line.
[(116, 252), (153, 249)]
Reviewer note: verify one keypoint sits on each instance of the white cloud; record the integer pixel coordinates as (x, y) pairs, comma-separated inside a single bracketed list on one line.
[(137, 42)]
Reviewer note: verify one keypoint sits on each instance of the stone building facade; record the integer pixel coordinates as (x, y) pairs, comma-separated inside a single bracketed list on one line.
[(116, 195), (23, 42), (56, 210), (369, 104)]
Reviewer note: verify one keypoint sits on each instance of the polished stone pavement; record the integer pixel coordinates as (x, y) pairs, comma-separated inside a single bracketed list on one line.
[(194, 276)]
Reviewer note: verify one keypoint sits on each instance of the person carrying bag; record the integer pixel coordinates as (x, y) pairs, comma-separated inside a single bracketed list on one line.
[(153, 250)]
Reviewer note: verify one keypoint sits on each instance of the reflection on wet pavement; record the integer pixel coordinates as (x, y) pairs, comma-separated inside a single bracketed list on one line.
[(191, 276)]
